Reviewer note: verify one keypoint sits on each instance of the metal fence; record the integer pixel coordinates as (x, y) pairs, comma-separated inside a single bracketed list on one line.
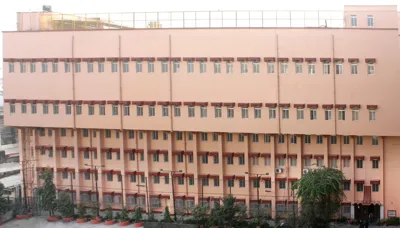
[(200, 19)]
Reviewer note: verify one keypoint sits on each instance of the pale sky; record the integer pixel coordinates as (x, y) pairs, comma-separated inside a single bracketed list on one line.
[(9, 9)]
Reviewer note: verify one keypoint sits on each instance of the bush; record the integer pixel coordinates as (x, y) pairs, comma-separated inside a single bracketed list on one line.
[(167, 215), (81, 211), (137, 216), (123, 217), (109, 213), (392, 221), (65, 205)]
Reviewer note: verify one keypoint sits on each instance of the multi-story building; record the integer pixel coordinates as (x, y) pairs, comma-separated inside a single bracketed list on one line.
[(217, 101)]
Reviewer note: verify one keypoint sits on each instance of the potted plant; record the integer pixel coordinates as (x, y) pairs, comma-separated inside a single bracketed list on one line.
[(109, 216), (65, 206), (137, 218), (81, 214), (167, 215), (124, 218), (47, 194), (95, 210)]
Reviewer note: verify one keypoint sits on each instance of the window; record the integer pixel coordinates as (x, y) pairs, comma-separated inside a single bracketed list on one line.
[(181, 180), (354, 114), (54, 66), (126, 110), (100, 66), (22, 66), (284, 67), (178, 135), (242, 183), (257, 113), (177, 111), (102, 110), (190, 67), (10, 67), (176, 66), (372, 115), (353, 19), (333, 139), (179, 158), (313, 114), (320, 139), (360, 187), (255, 138), (359, 163), (165, 135), (165, 111), (191, 182), (254, 160), (156, 179), (216, 159), (375, 140), (33, 108), (125, 67), (90, 67), (139, 110), (293, 161), (12, 107), (204, 159), (320, 162), (339, 67), (23, 108), (230, 112), (267, 138), (229, 68), (370, 20), (300, 114), (311, 68), (229, 160), (156, 157), (326, 68), (281, 161), (328, 114), (243, 68), (333, 163), (204, 136), (256, 67), (203, 67), (131, 134), (91, 110), (281, 139), (346, 139), (85, 133), (87, 175), (138, 66), (86, 154), (285, 113), (359, 140), (191, 111), (354, 68), (217, 67), (203, 112), (307, 162), (78, 109), (272, 113), (346, 186), (245, 113), (164, 67), (131, 156), (67, 67), (241, 138), (229, 137), (375, 164), (77, 67), (231, 183), (342, 114), (152, 110), (33, 67), (150, 67), (375, 187), (155, 135), (282, 184), (270, 67), (108, 133), (45, 109), (63, 132), (215, 137), (267, 184), (346, 163), (293, 139), (371, 68), (44, 67), (299, 68), (133, 178), (216, 182), (218, 112), (267, 161)]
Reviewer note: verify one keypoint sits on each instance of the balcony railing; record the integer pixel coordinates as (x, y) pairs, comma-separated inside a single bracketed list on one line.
[(200, 19)]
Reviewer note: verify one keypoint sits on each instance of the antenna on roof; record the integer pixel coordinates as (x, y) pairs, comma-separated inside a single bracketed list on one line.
[(46, 8)]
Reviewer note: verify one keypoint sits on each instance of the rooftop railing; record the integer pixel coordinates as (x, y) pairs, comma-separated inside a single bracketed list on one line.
[(200, 19)]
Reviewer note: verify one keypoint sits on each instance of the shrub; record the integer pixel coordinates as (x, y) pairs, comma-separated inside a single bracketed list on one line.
[(123, 217), (137, 216), (109, 213), (81, 211)]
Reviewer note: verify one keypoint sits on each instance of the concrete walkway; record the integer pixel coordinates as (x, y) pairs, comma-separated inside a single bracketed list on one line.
[(40, 222)]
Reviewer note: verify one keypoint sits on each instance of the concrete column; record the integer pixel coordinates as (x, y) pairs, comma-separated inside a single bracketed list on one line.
[(22, 154), (222, 164), (247, 168), (326, 151), (273, 183), (197, 184), (100, 157), (122, 155), (352, 212), (146, 160), (382, 212), (76, 165), (171, 166), (55, 163)]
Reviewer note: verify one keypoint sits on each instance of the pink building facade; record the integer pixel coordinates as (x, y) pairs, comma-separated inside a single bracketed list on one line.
[(216, 106)]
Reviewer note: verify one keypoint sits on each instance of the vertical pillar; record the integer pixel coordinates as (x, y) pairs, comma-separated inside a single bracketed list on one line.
[(382, 212), (197, 184), (221, 165), (352, 167), (55, 163), (326, 150), (76, 165), (247, 168), (122, 155), (146, 160), (100, 157), (273, 182), (22, 158), (352, 211)]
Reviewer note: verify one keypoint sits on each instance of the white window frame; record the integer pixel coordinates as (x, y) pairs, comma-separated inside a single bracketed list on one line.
[(177, 66), (190, 66), (245, 113), (217, 67), (150, 67), (326, 68), (139, 67), (372, 114), (229, 67), (299, 67), (341, 114), (230, 112), (271, 67), (371, 68), (218, 112), (300, 113), (311, 68), (257, 113), (203, 67), (339, 68), (243, 67), (355, 114), (272, 113), (191, 111), (353, 20), (203, 111), (285, 113), (354, 68), (328, 114), (313, 114), (370, 21), (256, 67), (283, 67)]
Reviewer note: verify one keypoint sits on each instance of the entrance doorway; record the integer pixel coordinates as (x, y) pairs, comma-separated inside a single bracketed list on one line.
[(370, 212)]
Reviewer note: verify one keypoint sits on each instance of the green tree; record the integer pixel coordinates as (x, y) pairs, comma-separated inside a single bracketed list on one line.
[(65, 205), (109, 213), (137, 216), (167, 215), (200, 214), (81, 211), (320, 192), (123, 217), (4, 203), (47, 193), (228, 214)]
